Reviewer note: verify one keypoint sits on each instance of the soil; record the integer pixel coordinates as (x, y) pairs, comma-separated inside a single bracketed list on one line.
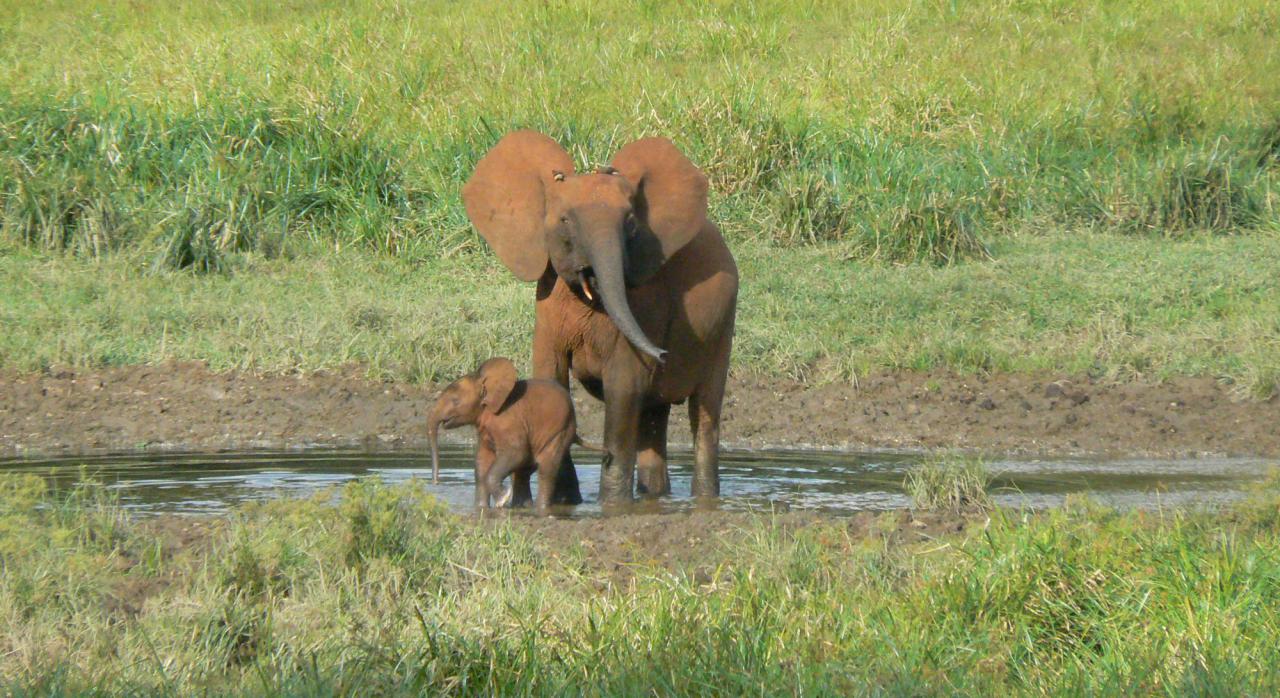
[(609, 552), (185, 406), (172, 536), (614, 548)]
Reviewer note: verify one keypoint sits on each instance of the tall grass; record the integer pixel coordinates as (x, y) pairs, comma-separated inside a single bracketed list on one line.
[(1106, 172), (1113, 306), (387, 593), (896, 131), (197, 190), (949, 481)]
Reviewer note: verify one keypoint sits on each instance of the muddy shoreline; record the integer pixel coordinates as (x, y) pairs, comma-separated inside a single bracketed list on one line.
[(185, 406)]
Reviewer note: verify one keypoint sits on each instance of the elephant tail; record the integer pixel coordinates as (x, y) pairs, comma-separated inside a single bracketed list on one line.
[(590, 447)]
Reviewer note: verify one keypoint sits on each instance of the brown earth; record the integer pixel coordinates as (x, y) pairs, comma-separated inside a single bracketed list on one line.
[(186, 406), (609, 552), (614, 548)]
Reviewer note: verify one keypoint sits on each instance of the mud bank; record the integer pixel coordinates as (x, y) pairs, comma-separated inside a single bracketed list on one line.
[(186, 406)]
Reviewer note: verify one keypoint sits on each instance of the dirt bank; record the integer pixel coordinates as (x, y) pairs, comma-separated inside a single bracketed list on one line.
[(186, 406), (614, 548)]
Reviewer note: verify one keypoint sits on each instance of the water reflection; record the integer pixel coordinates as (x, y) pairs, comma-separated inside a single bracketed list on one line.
[(758, 480)]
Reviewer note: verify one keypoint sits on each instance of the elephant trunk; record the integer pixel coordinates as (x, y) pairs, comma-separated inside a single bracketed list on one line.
[(433, 433), (607, 265)]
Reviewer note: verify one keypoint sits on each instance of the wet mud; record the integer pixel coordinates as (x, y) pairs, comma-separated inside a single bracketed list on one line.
[(185, 406)]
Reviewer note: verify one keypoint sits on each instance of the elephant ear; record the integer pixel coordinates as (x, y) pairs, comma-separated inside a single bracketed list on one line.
[(498, 376), (671, 203), (506, 198)]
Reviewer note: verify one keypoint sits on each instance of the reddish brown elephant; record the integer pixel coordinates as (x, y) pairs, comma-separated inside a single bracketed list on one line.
[(636, 294), (521, 427)]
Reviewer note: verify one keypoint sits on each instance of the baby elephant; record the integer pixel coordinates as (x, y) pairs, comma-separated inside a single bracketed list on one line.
[(521, 425)]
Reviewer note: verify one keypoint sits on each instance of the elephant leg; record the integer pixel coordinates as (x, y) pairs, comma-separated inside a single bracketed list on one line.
[(521, 493), (548, 364), (567, 490), (503, 465), (651, 454), (549, 460), (484, 463), (704, 419), (623, 400)]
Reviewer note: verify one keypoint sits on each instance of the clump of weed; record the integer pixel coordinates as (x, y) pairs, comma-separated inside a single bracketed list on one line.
[(255, 567), (1050, 586), (747, 146), (402, 524), (199, 189), (1269, 145), (205, 237), (1210, 190), (58, 212), (369, 318), (937, 228), (810, 209), (953, 482), (1261, 510)]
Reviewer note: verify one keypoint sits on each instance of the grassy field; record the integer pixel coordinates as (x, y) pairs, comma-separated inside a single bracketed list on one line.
[(911, 185), (1065, 185), (386, 593), (1110, 305)]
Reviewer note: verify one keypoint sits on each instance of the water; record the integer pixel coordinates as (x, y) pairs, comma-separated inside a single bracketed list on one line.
[(839, 483)]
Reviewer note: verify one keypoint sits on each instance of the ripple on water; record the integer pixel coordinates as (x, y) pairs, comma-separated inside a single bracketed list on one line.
[(839, 483)]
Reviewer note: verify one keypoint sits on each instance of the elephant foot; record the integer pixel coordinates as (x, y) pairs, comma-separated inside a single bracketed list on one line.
[(504, 499), (652, 481), (708, 486), (566, 489), (616, 484)]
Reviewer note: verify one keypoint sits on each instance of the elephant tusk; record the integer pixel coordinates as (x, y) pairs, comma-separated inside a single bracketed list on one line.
[(586, 289)]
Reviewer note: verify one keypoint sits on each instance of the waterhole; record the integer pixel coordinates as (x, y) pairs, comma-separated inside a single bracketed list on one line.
[(838, 483)]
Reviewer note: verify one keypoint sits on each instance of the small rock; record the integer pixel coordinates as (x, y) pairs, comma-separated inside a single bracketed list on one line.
[(987, 404)]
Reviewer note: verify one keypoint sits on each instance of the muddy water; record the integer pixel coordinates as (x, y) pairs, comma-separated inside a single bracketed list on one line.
[(833, 482)]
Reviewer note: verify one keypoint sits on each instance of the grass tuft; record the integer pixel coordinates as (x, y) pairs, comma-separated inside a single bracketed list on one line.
[(949, 482), (1205, 191)]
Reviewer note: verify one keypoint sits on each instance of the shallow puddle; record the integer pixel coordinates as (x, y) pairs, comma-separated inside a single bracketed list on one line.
[(196, 483)]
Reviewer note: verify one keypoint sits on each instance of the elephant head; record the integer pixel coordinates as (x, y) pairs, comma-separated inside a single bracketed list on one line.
[(464, 400), (601, 232)]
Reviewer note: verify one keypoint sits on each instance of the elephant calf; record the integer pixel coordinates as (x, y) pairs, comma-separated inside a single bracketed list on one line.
[(521, 426)]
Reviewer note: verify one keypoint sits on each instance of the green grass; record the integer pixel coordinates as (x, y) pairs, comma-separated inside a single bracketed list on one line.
[(1109, 305), (949, 482), (897, 131), (387, 593), (908, 185)]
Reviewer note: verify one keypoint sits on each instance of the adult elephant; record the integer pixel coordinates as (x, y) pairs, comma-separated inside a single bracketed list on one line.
[(626, 262)]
